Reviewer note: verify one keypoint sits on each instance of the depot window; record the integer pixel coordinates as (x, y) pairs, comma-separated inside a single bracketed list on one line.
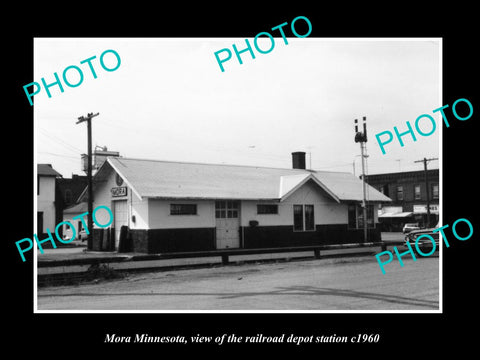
[(399, 192), (226, 209), (417, 192), (435, 191), (303, 218), (183, 209), (352, 216), (267, 209), (355, 216)]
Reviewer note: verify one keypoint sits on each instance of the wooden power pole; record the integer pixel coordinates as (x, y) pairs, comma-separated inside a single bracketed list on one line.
[(88, 119), (425, 161)]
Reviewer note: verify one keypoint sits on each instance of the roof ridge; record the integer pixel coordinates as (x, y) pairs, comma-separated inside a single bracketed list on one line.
[(202, 163), (150, 180), (237, 165), (403, 172)]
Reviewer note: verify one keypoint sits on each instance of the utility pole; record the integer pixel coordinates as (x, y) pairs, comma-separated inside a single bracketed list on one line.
[(88, 119), (354, 174), (361, 137), (425, 161)]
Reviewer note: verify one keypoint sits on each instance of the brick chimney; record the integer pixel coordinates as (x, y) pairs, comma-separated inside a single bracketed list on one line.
[(298, 160)]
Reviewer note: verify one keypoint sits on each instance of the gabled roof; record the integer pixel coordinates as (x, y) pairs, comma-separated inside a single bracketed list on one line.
[(290, 183), (47, 170), (167, 179)]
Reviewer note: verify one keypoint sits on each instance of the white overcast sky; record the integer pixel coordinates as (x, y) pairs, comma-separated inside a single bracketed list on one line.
[(169, 100)]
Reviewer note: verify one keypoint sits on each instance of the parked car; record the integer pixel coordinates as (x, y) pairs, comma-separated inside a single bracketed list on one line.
[(424, 244), (409, 227), (82, 235)]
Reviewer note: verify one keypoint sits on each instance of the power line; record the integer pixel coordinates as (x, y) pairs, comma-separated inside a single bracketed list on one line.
[(65, 156), (60, 141)]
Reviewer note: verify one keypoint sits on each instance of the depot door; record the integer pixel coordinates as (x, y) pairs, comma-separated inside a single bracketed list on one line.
[(227, 222), (120, 217), (39, 222)]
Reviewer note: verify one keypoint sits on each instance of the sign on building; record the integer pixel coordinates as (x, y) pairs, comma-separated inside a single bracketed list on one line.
[(119, 191), (422, 209)]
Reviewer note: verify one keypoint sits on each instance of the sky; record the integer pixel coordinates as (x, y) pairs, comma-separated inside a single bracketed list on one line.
[(169, 100)]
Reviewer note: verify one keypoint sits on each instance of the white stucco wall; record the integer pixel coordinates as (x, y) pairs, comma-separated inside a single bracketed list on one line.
[(139, 209), (46, 201), (103, 196), (160, 218), (326, 210), (136, 206)]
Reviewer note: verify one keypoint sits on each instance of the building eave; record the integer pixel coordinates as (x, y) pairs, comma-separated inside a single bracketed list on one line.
[(302, 182), (134, 190)]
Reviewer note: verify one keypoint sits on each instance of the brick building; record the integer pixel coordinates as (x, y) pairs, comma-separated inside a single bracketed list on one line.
[(409, 198), (70, 190)]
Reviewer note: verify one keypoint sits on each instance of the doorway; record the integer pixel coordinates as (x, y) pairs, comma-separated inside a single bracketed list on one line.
[(227, 223), (120, 216)]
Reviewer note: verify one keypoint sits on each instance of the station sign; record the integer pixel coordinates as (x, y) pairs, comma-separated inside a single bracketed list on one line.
[(119, 191)]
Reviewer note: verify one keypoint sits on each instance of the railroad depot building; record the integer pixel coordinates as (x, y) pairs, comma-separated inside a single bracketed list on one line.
[(174, 206)]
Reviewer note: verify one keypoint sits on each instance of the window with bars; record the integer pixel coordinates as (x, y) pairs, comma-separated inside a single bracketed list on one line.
[(309, 218), (303, 218), (183, 209), (267, 209), (298, 217)]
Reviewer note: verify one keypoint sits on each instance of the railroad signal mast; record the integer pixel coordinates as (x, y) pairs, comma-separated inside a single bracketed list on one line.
[(361, 137)]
